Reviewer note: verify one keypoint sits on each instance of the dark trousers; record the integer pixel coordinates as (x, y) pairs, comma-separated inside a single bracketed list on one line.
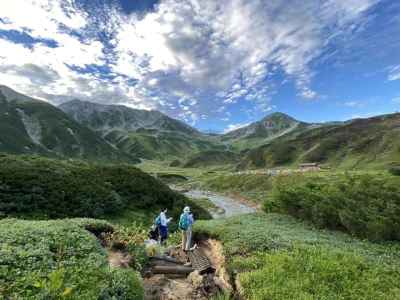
[(163, 233)]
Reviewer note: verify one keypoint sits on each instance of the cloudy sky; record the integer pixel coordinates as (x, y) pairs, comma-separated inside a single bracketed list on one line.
[(216, 64)]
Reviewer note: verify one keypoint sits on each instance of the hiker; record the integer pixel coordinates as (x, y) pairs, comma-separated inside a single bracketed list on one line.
[(162, 222), (154, 233), (185, 224)]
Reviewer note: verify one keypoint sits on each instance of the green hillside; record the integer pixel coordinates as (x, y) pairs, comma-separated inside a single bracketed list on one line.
[(46, 188), (258, 133), (30, 126), (211, 158), (151, 144), (145, 134), (361, 143)]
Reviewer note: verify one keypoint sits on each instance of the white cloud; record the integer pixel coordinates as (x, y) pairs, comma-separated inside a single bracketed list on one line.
[(394, 73), (232, 127), (187, 58), (353, 103)]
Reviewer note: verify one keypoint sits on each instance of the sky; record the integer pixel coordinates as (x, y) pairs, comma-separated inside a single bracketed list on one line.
[(215, 64)]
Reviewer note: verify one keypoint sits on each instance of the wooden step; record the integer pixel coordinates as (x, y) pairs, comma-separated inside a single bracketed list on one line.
[(200, 262)]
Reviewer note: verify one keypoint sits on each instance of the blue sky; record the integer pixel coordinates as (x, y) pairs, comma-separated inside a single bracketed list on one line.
[(216, 65)]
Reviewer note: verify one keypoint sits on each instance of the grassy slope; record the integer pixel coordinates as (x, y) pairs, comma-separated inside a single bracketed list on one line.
[(150, 144), (60, 260), (365, 143), (277, 257), (57, 139), (211, 158)]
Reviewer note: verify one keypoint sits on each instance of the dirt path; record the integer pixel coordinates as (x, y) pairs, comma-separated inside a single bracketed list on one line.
[(230, 206), (195, 285), (192, 286)]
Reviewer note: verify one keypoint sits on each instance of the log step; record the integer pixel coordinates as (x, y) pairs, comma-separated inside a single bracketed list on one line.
[(172, 270)]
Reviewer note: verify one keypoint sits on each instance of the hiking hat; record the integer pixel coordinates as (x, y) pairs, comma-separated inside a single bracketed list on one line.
[(186, 209)]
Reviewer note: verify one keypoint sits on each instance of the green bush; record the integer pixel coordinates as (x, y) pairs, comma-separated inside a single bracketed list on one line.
[(48, 188), (395, 171), (364, 205), (59, 260), (123, 285)]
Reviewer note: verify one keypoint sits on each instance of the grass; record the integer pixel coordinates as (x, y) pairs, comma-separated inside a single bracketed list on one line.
[(278, 257), (317, 273), (255, 187), (60, 260)]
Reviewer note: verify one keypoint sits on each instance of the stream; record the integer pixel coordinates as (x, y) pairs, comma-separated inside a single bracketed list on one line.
[(229, 206)]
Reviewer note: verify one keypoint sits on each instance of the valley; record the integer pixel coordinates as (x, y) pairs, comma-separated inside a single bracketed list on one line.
[(199, 150), (80, 185), (119, 133)]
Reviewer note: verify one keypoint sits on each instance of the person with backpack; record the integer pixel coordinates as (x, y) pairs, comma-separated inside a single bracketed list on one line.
[(154, 233), (162, 222), (185, 224)]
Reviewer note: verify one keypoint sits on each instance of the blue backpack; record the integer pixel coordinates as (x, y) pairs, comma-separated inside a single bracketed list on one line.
[(184, 222), (157, 221)]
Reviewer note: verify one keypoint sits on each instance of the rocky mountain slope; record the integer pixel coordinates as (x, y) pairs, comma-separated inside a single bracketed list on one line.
[(270, 127), (147, 134), (108, 118), (113, 132), (31, 126), (359, 143)]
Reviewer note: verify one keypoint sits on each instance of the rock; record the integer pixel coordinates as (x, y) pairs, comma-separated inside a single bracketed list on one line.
[(195, 279)]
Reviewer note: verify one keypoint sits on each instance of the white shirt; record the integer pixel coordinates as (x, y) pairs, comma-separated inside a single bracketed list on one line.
[(164, 220)]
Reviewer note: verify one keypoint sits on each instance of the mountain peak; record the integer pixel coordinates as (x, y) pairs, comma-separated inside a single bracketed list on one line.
[(103, 117), (12, 95), (270, 126), (279, 116)]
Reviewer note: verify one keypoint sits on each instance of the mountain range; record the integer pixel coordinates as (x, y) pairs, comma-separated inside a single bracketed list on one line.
[(142, 133), (79, 129), (31, 126)]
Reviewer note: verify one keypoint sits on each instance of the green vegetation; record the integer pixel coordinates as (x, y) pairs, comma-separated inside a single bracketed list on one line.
[(254, 187), (57, 135), (47, 188), (211, 158), (395, 170), (171, 178), (60, 260), (372, 143), (258, 133), (364, 205), (277, 257), (317, 273), (152, 144)]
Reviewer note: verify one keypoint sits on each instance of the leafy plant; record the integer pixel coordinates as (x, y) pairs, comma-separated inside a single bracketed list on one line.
[(60, 260), (364, 205)]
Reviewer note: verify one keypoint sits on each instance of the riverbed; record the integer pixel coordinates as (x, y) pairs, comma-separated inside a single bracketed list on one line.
[(229, 206)]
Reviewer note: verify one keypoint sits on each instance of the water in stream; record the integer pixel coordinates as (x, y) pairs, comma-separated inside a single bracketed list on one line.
[(230, 206)]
